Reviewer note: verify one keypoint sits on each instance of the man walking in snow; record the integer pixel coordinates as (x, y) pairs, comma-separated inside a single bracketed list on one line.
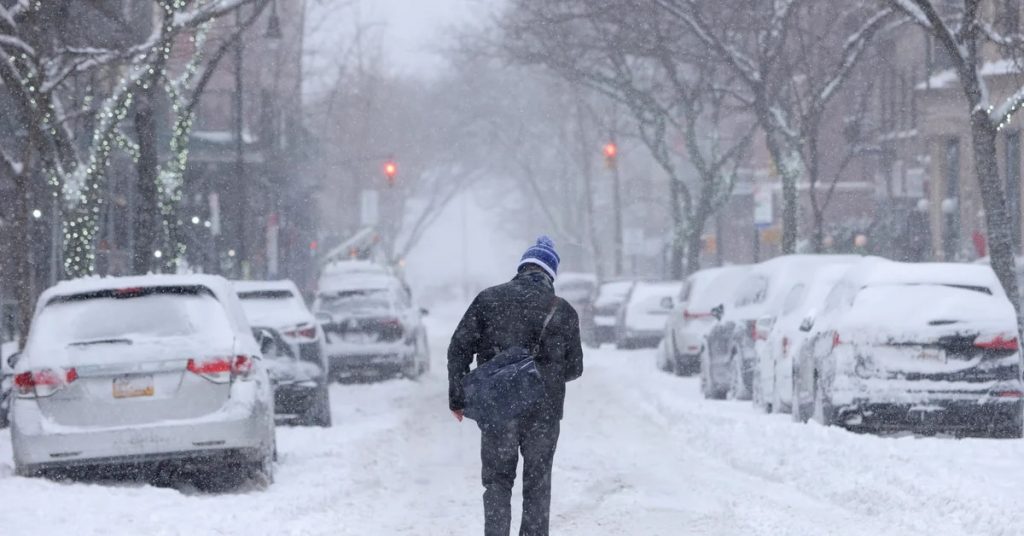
[(502, 317)]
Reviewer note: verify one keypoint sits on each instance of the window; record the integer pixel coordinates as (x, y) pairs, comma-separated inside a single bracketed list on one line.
[(1013, 184)]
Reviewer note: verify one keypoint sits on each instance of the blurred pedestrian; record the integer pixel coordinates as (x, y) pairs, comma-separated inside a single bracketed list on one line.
[(523, 313)]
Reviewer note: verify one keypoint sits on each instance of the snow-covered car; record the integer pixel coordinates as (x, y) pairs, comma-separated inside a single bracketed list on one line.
[(371, 325), (147, 371), (7, 350), (691, 320), (922, 347), (609, 299), (579, 289), (643, 315), (776, 351), (296, 362), (728, 365)]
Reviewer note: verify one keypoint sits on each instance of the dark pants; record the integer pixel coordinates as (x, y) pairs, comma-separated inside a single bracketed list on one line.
[(499, 451)]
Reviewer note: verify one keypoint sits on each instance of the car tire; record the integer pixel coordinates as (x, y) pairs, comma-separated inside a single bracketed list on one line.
[(737, 390), (707, 388), (319, 412), (824, 414), (796, 408)]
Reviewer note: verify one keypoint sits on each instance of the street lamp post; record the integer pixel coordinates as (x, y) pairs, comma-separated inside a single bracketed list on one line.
[(240, 183)]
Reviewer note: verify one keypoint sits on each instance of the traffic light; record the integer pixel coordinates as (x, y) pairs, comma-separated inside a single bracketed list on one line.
[(390, 171), (611, 151)]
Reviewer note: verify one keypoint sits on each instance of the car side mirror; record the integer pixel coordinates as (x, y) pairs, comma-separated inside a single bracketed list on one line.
[(12, 360), (718, 311), (424, 311), (667, 303), (807, 324)]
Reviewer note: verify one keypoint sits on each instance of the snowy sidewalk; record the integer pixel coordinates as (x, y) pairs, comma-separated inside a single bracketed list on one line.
[(640, 454)]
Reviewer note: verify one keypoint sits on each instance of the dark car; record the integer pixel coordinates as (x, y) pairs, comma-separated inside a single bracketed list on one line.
[(610, 297), (295, 361), (579, 290), (372, 325)]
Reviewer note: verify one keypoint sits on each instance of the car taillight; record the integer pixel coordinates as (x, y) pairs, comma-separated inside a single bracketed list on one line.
[(836, 341), (302, 333), (785, 346), (43, 382), (221, 369), (687, 315), (997, 342)]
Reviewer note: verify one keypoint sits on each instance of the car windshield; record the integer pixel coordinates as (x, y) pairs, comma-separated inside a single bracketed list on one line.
[(127, 316), (356, 301)]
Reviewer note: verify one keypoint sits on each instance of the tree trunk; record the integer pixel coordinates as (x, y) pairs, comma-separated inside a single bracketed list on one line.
[(23, 278), (1000, 238), (789, 163), (679, 230), (147, 210)]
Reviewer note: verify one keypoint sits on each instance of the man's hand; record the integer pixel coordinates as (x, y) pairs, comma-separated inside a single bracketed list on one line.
[(459, 414)]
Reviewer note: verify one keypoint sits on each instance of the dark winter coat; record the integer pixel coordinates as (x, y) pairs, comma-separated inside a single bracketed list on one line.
[(511, 315)]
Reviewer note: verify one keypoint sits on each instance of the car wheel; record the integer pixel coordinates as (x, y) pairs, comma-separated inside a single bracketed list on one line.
[(823, 412), (796, 408), (319, 412), (737, 390)]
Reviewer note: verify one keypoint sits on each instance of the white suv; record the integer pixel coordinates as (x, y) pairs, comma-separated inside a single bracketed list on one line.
[(142, 371)]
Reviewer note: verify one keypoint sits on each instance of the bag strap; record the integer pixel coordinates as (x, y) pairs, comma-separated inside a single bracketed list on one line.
[(544, 328)]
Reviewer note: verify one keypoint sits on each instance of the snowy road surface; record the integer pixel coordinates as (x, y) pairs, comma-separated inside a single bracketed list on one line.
[(640, 454)]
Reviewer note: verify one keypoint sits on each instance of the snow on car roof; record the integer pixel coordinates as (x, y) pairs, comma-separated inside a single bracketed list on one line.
[(256, 286), (766, 285), (356, 282), (712, 286), (647, 289), (878, 271), (354, 266), (221, 288)]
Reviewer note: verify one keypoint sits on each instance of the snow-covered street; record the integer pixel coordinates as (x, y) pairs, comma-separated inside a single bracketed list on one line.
[(640, 454)]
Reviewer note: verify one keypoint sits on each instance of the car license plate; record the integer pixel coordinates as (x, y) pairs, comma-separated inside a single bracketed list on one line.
[(133, 386), (929, 354)]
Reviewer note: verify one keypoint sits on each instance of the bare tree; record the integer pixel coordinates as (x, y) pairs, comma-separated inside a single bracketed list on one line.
[(963, 31), (755, 41), (642, 61), (41, 56)]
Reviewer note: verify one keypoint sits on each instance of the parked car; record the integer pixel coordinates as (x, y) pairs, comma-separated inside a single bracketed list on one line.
[(775, 353), (371, 325), (610, 297), (691, 320), (729, 366), (147, 371), (579, 290), (922, 347), (643, 315), (296, 361), (7, 350)]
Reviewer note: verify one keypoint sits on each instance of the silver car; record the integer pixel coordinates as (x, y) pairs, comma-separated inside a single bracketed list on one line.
[(143, 372), (296, 362)]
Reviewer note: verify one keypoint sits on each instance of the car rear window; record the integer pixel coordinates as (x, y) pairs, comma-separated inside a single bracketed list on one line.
[(127, 315), (356, 301), (257, 302)]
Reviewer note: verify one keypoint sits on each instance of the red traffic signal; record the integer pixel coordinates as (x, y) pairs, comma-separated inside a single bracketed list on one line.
[(390, 171), (610, 152)]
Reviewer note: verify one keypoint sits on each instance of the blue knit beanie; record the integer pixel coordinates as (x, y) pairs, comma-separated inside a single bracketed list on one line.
[(542, 254)]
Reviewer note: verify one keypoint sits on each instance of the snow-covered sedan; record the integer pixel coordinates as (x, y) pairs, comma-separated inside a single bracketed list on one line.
[(776, 351), (691, 320), (145, 371), (372, 326), (609, 299), (923, 347), (728, 365), (579, 289), (643, 315), (297, 362)]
